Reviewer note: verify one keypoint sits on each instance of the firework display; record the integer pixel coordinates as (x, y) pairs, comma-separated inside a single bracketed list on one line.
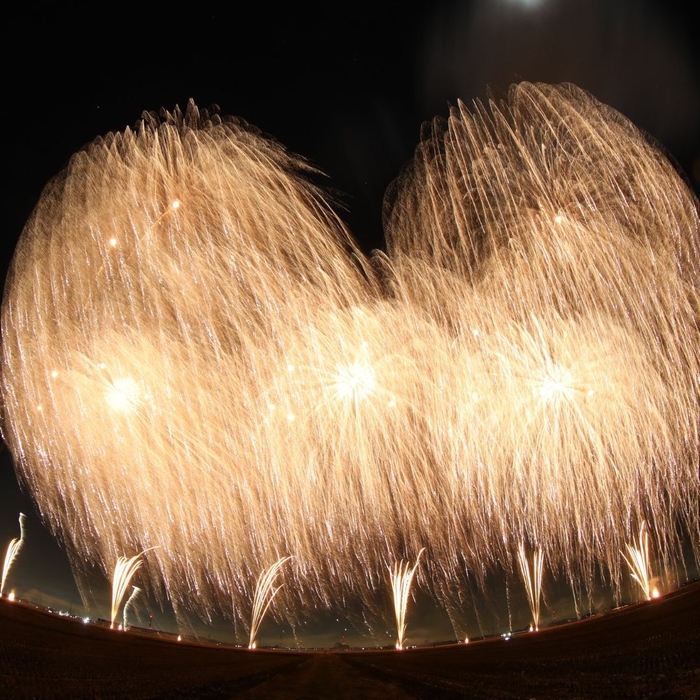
[(12, 551), (401, 578), (198, 359), (265, 593), (124, 571)]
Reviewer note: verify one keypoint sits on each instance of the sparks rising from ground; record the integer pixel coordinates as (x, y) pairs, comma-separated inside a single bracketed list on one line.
[(196, 355), (124, 571), (12, 552), (401, 576), (532, 577), (265, 593), (639, 563)]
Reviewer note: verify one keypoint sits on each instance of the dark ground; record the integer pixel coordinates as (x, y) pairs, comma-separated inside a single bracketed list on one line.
[(651, 650)]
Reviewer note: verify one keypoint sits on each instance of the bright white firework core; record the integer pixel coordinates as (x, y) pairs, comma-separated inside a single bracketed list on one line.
[(123, 395), (354, 382), (557, 384)]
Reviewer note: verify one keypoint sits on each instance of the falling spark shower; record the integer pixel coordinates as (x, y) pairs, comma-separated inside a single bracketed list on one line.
[(198, 357)]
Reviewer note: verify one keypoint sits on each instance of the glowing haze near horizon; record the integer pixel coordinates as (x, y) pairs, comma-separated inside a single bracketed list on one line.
[(199, 359)]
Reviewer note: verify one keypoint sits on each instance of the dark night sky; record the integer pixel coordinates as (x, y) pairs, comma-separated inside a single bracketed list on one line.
[(347, 87)]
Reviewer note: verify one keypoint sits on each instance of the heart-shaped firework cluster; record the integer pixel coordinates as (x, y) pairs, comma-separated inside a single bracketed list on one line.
[(199, 359)]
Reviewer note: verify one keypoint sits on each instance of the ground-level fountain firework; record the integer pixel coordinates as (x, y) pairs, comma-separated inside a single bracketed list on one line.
[(11, 553), (199, 361)]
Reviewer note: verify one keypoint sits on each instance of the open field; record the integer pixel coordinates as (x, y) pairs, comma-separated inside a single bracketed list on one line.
[(651, 650)]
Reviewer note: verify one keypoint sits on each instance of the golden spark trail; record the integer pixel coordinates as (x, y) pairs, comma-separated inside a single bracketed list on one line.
[(124, 571), (401, 576), (532, 577), (12, 552), (639, 561), (264, 595), (196, 352)]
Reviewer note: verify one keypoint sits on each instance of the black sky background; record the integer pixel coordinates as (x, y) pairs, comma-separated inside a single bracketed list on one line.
[(347, 86)]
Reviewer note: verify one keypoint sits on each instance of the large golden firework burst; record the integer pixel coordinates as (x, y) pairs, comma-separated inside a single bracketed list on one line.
[(199, 361)]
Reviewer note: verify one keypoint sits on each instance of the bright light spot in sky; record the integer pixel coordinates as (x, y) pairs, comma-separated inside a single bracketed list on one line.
[(557, 383), (123, 394), (355, 381)]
